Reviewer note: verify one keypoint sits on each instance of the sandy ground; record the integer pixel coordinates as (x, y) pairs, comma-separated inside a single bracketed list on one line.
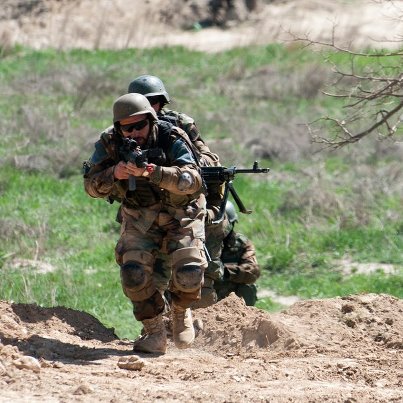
[(336, 350)]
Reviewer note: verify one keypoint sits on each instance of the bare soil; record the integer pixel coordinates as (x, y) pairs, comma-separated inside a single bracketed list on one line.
[(337, 350)]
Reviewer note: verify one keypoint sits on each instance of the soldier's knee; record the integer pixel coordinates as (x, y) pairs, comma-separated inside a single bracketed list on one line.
[(133, 275), (248, 292), (136, 275), (188, 266), (188, 278)]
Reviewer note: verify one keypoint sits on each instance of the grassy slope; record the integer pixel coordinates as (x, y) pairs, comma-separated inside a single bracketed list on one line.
[(310, 211)]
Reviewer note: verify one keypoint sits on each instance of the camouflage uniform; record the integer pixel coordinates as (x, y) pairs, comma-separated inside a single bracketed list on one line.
[(241, 269), (188, 124), (214, 232), (159, 218), (153, 88)]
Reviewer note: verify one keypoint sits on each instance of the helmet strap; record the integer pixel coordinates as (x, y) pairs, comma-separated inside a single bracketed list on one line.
[(117, 128)]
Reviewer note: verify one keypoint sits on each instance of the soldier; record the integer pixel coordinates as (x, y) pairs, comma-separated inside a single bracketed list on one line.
[(241, 269), (164, 214), (154, 90)]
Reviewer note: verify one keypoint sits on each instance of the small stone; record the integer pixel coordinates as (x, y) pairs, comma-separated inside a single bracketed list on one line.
[(133, 363), (83, 390), (27, 362)]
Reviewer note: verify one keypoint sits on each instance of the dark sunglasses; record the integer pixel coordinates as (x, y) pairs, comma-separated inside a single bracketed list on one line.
[(134, 126)]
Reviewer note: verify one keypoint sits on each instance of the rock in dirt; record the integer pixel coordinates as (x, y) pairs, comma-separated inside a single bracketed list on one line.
[(134, 363)]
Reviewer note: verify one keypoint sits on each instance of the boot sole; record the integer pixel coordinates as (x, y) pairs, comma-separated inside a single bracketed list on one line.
[(139, 350)]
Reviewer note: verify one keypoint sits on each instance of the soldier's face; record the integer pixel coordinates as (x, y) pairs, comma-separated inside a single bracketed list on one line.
[(155, 102), (136, 127)]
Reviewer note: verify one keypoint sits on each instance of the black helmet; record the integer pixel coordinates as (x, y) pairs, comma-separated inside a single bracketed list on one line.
[(130, 105), (149, 86), (231, 213)]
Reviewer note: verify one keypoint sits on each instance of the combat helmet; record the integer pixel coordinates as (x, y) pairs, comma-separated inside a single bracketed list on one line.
[(130, 105), (149, 86), (231, 213)]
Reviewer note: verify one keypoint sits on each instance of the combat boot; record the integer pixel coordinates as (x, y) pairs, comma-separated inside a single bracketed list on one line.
[(182, 326), (154, 337)]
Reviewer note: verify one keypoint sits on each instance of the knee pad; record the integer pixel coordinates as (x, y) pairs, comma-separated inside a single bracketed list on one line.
[(188, 278), (187, 269), (136, 275), (133, 275)]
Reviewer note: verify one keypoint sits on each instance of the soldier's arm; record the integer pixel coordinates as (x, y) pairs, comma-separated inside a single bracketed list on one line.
[(247, 270), (189, 126), (98, 172), (183, 176)]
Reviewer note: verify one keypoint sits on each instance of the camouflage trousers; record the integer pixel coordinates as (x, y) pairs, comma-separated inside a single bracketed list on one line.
[(246, 291), (161, 237), (215, 234)]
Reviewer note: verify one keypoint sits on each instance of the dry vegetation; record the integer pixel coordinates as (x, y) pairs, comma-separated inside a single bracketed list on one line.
[(64, 23)]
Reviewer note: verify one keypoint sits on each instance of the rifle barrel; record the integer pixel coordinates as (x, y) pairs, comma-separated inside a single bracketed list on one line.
[(251, 171)]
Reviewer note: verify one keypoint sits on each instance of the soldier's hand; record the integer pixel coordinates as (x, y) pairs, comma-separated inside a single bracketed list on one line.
[(133, 170), (120, 171)]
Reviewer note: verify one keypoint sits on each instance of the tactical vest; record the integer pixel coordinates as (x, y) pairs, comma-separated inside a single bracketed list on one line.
[(201, 153), (180, 120), (146, 193)]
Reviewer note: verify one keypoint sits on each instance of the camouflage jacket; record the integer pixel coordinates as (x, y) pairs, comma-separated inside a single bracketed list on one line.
[(202, 153), (159, 186), (186, 123), (239, 258)]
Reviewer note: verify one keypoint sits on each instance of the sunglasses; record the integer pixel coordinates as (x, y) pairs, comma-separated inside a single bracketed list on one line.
[(134, 126)]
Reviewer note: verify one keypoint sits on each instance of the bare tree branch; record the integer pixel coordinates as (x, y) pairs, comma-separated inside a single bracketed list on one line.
[(373, 93)]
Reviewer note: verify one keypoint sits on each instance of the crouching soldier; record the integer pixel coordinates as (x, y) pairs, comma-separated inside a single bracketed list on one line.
[(241, 269), (145, 165)]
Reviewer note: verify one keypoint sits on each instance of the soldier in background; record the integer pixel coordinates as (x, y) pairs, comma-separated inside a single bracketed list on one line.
[(154, 90), (241, 269)]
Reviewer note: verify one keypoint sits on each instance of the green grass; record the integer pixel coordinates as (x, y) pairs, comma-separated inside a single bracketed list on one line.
[(310, 211), (328, 283)]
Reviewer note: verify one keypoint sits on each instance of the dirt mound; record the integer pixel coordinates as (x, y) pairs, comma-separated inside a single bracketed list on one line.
[(232, 328), (22, 320), (338, 350), (360, 322), (49, 333)]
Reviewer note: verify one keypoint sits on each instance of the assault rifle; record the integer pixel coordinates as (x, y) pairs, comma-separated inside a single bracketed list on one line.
[(220, 175), (130, 152)]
